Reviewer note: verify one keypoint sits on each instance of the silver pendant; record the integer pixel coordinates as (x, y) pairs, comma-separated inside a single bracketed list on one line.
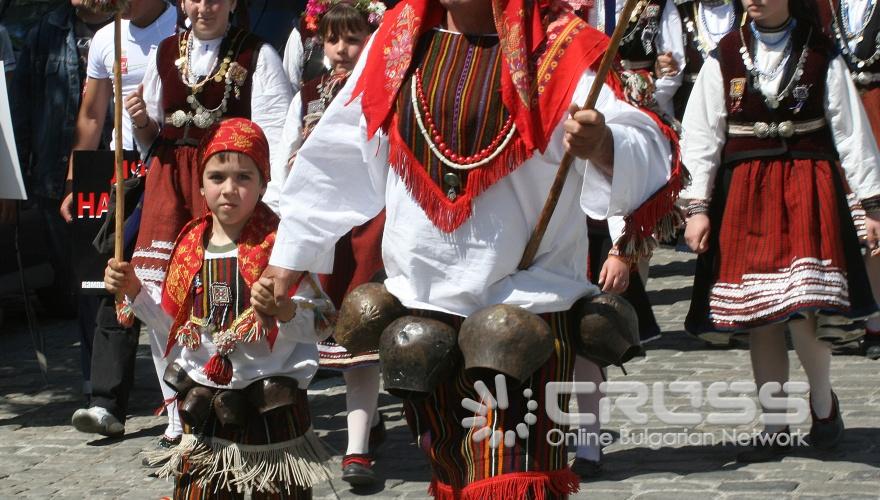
[(179, 118), (772, 102), (863, 78)]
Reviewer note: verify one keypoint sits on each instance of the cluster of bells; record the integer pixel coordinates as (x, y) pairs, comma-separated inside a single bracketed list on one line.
[(419, 353)]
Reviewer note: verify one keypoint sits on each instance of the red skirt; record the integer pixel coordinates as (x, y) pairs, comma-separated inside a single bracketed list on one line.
[(782, 243), (172, 197), (871, 102)]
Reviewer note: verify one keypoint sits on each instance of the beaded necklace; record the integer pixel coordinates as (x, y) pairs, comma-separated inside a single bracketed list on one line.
[(438, 146), (866, 16), (773, 101), (701, 37)]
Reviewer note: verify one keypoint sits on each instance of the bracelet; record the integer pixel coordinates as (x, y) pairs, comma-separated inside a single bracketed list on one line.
[(617, 254), (697, 207), (871, 204), (135, 125)]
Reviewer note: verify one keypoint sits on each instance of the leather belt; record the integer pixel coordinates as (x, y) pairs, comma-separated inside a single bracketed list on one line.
[(782, 129)]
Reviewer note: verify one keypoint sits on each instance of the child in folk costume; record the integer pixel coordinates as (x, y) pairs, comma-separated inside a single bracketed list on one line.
[(767, 121), (343, 30), (242, 386), (855, 26)]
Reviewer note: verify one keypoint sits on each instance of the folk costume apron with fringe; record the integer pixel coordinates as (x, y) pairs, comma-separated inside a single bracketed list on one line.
[(485, 104), (782, 241)]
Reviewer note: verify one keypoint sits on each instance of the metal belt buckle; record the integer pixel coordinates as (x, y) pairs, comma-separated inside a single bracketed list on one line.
[(786, 129), (863, 78), (761, 129)]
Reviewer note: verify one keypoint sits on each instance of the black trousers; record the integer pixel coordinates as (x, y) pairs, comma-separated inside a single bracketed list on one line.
[(114, 350)]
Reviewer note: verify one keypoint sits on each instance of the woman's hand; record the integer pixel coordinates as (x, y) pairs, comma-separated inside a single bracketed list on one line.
[(696, 233), (872, 228)]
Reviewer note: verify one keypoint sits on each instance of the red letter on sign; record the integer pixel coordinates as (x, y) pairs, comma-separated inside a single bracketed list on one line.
[(83, 205)]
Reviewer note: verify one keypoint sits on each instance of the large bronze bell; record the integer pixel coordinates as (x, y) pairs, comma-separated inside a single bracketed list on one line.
[(196, 406), (232, 409), (417, 354), (609, 329), (364, 314), (272, 393), (176, 378), (505, 339)]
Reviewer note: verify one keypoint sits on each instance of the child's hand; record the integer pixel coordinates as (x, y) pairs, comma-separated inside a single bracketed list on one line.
[(614, 277), (266, 306), (119, 278), (696, 232), (286, 310)]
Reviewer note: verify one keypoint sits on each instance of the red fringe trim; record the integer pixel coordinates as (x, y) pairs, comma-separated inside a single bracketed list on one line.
[(445, 214), (218, 369), (514, 485), (124, 314)]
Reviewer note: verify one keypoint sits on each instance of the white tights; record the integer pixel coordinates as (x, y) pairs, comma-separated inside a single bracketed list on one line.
[(361, 399), (588, 371), (769, 355)]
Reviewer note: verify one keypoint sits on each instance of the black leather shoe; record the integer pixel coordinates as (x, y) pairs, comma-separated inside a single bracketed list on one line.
[(377, 435), (586, 469), (826, 433), (766, 448), (357, 470)]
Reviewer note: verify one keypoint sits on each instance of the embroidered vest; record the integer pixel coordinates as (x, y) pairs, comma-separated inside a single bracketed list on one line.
[(220, 294), (745, 104), (245, 49), (638, 49)]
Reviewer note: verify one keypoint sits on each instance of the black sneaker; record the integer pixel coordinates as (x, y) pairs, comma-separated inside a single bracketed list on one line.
[(826, 433), (766, 448), (164, 443), (586, 469), (357, 469)]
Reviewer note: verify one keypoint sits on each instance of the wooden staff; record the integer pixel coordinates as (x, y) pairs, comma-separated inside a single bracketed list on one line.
[(564, 165), (117, 130)]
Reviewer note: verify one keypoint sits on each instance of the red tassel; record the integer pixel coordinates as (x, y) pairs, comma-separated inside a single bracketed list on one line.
[(124, 314), (534, 485), (219, 369)]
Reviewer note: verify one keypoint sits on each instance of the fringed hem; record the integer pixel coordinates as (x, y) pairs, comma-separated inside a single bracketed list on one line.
[(533, 485), (243, 468), (445, 213)]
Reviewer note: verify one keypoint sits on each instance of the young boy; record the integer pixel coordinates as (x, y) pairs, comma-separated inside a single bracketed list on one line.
[(242, 387)]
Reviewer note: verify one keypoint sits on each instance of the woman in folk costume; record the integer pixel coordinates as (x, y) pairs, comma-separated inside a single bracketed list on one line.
[(454, 123), (766, 124), (855, 26), (705, 23), (209, 72), (343, 30), (242, 386)]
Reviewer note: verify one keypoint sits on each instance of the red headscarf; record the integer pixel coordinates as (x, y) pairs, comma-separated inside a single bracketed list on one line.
[(254, 244), (239, 135)]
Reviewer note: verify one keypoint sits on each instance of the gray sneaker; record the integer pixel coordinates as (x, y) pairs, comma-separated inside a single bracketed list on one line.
[(97, 420)]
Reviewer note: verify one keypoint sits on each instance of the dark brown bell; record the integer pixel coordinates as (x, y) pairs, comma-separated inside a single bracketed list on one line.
[(609, 329), (272, 393), (232, 409), (364, 314), (417, 354), (176, 378), (505, 339), (196, 406)]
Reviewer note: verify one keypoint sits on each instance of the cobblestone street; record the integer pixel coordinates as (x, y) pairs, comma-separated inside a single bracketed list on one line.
[(42, 456)]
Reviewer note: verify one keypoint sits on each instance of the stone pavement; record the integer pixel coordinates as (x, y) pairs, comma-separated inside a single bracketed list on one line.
[(41, 456)]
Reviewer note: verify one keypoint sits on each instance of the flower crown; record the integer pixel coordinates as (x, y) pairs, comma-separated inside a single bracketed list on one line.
[(315, 9)]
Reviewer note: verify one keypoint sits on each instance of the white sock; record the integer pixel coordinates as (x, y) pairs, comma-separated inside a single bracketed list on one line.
[(815, 357), (160, 362), (769, 355), (588, 371), (361, 399)]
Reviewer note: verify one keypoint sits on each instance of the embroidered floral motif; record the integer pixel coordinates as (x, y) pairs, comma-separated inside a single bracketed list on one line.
[(237, 73), (513, 46), (398, 54)]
